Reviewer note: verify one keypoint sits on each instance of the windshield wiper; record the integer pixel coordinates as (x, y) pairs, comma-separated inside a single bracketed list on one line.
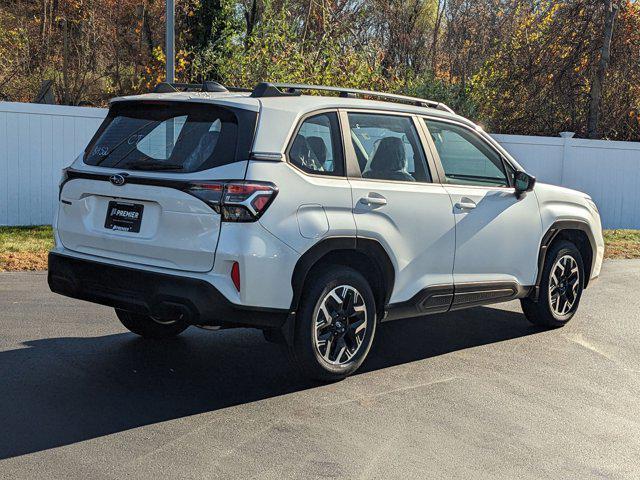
[(153, 166)]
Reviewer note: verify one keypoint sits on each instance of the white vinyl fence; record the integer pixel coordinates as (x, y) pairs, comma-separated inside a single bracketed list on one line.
[(608, 171), (37, 141)]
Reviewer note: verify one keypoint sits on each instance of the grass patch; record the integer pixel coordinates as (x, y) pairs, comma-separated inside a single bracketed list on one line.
[(26, 248), (622, 243)]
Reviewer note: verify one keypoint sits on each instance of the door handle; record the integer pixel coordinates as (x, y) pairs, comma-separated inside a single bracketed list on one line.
[(377, 201), (466, 204)]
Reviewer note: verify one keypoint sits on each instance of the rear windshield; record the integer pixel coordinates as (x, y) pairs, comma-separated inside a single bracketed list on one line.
[(179, 137)]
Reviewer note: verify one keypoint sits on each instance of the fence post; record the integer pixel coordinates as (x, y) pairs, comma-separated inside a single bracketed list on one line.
[(567, 136)]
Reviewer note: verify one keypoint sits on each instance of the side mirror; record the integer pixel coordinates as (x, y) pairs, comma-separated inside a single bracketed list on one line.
[(524, 182)]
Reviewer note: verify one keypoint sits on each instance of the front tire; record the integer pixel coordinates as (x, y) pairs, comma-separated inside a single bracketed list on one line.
[(149, 327), (335, 325), (561, 287)]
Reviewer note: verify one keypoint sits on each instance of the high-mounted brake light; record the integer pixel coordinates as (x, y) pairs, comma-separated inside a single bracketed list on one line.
[(236, 201)]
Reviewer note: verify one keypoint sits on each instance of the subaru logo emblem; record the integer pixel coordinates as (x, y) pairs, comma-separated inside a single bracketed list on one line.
[(117, 179)]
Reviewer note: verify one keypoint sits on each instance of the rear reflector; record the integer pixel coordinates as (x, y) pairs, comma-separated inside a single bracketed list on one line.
[(236, 201), (235, 275)]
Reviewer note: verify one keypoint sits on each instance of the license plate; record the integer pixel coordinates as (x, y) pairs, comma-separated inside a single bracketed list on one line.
[(124, 217)]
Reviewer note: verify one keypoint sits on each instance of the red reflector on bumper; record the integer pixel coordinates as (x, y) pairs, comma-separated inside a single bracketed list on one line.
[(235, 275)]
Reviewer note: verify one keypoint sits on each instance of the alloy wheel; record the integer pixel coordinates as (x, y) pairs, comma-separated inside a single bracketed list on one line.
[(564, 283), (340, 325)]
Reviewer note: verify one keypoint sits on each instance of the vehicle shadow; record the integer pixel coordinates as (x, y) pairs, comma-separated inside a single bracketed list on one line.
[(59, 391)]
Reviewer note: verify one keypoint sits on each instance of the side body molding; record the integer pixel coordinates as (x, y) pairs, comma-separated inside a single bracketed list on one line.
[(448, 298)]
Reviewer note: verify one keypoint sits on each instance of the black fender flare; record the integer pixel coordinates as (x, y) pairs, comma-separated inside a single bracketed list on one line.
[(553, 231), (369, 247)]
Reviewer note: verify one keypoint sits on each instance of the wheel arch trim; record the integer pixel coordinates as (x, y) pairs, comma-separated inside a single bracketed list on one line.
[(367, 246), (552, 233)]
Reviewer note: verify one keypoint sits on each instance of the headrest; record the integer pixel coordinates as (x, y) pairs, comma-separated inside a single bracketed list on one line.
[(319, 148), (389, 156)]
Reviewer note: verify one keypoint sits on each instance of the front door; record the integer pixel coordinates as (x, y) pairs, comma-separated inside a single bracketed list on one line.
[(396, 203), (497, 233)]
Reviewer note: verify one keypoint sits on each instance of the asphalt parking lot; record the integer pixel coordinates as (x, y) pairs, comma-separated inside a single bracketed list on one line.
[(475, 394)]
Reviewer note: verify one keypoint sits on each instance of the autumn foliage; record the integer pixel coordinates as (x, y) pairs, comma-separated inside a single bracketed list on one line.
[(517, 67)]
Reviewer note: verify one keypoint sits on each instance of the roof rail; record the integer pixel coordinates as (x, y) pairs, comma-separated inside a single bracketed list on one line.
[(207, 86), (266, 89)]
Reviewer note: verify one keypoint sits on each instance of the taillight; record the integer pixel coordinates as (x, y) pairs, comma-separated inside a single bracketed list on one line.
[(246, 201), (236, 201), (209, 192)]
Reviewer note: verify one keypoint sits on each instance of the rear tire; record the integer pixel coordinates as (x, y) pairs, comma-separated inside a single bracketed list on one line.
[(335, 324), (148, 327), (561, 287)]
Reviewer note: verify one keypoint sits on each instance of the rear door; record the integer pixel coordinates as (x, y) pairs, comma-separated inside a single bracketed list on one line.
[(497, 232), (132, 196), (398, 203)]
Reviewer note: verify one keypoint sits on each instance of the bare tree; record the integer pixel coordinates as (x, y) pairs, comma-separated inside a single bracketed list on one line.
[(596, 84)]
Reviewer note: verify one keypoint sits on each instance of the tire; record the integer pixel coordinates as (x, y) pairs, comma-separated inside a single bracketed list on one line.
[(147, 327), (352, 325), (556, 306)]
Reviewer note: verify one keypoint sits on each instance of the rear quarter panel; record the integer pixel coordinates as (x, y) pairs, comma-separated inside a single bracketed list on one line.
[(301, 228)]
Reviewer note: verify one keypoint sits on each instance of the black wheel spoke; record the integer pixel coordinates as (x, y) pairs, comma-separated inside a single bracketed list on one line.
[(340, 349), (357, 326), (349, 301), (325, 336)]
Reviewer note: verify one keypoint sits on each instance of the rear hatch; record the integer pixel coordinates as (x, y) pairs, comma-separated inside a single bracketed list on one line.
[(136, 194)]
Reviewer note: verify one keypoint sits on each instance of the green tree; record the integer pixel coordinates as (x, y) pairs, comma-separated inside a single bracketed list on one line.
[(279, 48), (537, 81)]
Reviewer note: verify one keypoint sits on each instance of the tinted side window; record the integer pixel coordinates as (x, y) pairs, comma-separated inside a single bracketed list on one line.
[(465, 157), (317, 148), (388, 147)]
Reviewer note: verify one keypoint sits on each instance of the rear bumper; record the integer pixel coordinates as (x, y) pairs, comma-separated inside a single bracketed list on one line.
[(152, 293)]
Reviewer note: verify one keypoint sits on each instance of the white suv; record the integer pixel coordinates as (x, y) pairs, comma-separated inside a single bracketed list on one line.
[(312, 218)]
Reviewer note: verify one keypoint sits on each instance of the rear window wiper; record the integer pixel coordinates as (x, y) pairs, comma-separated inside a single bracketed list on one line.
[(153, 166)]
